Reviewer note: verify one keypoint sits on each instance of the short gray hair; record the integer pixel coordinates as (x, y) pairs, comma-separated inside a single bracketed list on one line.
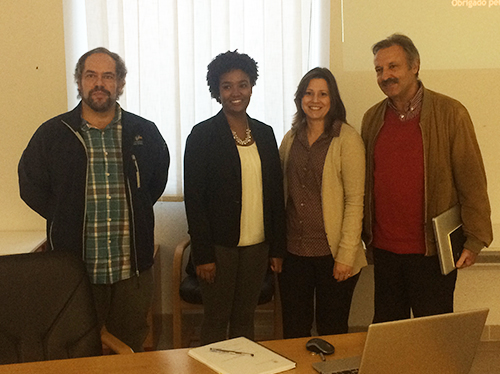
[(411, 52)]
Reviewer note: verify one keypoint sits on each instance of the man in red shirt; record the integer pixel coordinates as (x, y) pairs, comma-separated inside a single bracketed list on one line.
[(422, 159)]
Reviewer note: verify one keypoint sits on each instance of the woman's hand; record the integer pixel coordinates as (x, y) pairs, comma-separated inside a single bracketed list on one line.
[(341, 272), (276, 264), (206, 272)]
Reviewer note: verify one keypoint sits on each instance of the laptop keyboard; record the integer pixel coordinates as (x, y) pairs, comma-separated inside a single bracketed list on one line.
[(349, 365)]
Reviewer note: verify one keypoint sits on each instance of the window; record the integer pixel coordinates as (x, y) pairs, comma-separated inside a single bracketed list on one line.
[(167, 45)]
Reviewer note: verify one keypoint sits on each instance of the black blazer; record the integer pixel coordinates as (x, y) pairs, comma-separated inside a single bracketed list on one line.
[(212, 188)]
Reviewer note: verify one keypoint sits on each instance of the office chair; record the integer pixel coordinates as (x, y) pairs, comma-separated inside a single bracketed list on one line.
[(47, 309), (186, 295)]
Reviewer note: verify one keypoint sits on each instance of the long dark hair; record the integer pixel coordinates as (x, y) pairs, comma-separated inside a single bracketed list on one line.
[(337, 110)]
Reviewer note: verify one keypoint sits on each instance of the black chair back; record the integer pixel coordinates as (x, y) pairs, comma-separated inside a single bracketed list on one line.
[(47, 310)]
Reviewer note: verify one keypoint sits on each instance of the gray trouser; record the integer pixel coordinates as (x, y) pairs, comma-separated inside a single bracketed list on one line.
[(232, 298), (123, 308)]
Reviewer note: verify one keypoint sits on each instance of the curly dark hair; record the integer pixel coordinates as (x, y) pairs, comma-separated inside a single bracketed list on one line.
[(226, 62), (337, 110), (121, 69)]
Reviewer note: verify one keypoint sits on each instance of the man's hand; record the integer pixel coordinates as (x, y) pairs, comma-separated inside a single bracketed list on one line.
[(468, 258), (276, 264), (206, 272)]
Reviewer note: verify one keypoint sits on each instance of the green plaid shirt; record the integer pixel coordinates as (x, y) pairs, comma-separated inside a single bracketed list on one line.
[(107, 232)]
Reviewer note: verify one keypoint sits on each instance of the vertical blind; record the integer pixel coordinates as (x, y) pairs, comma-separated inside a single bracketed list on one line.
[(167, 45)]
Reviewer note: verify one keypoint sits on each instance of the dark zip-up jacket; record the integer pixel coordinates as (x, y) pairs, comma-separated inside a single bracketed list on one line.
[(53, 181)]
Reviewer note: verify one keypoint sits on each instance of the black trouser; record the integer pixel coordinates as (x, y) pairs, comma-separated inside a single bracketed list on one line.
[(303, 278), (405, 282), (232, 298), (123, 307)]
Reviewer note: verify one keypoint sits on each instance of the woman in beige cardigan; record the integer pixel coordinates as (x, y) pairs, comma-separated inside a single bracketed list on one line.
[(324, 169)]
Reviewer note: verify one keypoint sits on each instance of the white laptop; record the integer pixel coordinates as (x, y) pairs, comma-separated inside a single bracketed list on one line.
[(441, 344)]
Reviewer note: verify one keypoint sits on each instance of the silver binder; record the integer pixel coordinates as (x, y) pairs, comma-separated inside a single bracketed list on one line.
[(450, 238)]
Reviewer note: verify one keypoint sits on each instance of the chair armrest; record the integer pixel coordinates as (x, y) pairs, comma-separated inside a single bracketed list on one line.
[(113, 343), (176, 299), (41, 247), (177, 265)]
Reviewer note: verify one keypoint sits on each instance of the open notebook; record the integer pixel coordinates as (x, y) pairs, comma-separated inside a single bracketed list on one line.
[(441, 344), (241, 356)]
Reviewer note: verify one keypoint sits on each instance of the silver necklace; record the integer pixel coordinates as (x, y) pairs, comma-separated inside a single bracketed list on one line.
[(248, 136)]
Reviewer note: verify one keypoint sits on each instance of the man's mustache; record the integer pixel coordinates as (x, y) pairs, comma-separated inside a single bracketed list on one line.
[(99, 89), (390, 81)]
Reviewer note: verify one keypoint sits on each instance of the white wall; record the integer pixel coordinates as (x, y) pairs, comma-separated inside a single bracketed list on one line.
[(170, 229), (33, 89)]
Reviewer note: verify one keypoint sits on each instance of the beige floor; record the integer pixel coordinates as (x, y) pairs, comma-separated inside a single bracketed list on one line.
[(487, 358)]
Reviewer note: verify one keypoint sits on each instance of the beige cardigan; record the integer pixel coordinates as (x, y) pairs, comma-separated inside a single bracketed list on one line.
[(342, 194)]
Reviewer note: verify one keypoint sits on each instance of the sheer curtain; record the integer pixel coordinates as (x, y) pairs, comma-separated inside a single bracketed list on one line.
[(167, 45)]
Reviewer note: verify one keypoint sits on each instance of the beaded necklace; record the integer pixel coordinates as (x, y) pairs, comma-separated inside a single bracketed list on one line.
[(248, 136)]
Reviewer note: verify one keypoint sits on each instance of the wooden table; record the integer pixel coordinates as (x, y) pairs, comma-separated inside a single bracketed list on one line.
[(177, 361)]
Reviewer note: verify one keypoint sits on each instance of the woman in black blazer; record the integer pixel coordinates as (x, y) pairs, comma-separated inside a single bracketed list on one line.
[(233, 193)]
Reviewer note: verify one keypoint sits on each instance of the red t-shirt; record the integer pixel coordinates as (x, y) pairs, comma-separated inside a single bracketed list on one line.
[(399, 186)]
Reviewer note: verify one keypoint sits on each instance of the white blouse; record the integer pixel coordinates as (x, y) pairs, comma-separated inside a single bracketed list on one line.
[(252, 211)]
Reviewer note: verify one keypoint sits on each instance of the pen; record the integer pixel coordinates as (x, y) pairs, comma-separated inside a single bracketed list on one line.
[(230, 351)]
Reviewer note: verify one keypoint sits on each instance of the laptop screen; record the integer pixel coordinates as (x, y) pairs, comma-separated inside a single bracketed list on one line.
[(444, 344)]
